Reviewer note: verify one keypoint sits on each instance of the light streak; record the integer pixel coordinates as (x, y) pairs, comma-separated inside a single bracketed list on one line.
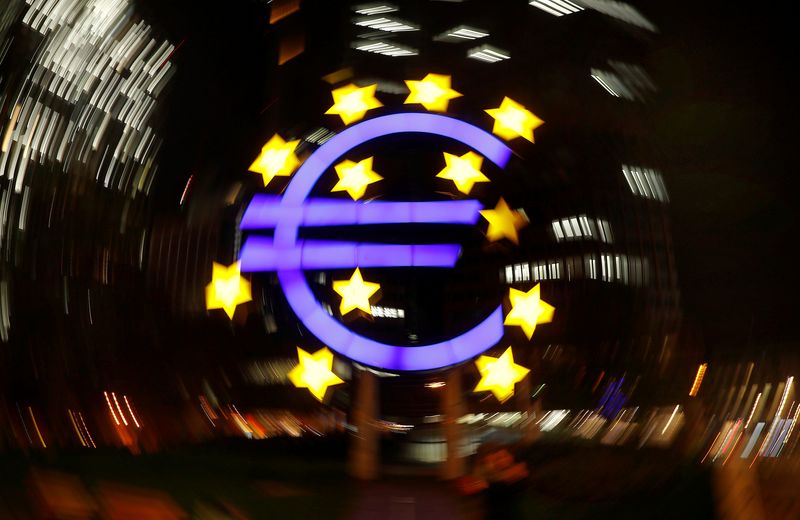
[(698, 379), (75, 426), (671, 417), (36, 427), (750, 417), (122, 415), (125, 397), (111, 408)]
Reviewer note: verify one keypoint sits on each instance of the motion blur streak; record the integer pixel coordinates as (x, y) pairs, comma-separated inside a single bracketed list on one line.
[(80, 107)]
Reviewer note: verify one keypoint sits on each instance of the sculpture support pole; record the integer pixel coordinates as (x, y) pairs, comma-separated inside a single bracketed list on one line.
[(453, 409), (364, 442)]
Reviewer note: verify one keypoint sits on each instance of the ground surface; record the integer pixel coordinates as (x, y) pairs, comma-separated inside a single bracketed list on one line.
[(299, 480)]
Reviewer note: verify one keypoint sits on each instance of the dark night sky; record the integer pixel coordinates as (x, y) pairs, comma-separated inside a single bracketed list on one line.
[(727, 125), (724, 121)]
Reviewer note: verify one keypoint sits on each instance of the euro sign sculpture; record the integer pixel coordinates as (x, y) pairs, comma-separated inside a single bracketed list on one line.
[(289, 256)]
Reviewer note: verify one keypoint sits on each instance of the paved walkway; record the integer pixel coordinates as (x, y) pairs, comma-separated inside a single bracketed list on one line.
[(412, 499)]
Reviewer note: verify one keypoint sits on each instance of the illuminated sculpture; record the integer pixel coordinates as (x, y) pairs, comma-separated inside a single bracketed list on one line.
[(355, 177), (433, 92), (351, 102), (464, 171), (314, 372), (289, 255), (503, 222), (513, 120), (277, 159), (227, 289), (499, 375), (355, 293), (528, 310)]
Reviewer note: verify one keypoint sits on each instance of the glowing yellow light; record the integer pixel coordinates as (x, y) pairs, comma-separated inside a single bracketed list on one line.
[(433, 92), (355, 293), (227, 289), (75, 426), (528, 310), (314, 372), (130, 410), (464, 171), (512, 120), (277, 159), (698, 379), (503, 222), (36, 427), (121, 415), (351, 102), (113, 415), (355, 177), (499, 375)]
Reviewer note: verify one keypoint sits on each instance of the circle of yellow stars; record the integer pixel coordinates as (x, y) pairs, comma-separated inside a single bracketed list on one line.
[(277, 158)]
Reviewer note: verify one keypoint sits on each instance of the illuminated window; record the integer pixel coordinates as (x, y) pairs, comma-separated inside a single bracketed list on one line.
[(605, 231), (624, 80), (387, 312), (517, 273), (557, 230), (611, 82), (582, 226), (280, 9), (556, 7), (488, 54), (621, 263), (385, 23), (620, 11), (319, 136), (376, 8), (290, 47), (555, 270), (384, 48), (461, 33), (590, 264), (645, 182), (619, 268), (522, 273), (606, 267)]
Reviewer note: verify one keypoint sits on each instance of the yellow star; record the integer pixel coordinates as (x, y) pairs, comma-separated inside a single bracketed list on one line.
[(354, 177), (464, 171), (314, 372), (227, 289), (351, 102), (512, 119), (503, 223), (499, 375), (277, 159), (355, 293), (433, 92), (528, 310)]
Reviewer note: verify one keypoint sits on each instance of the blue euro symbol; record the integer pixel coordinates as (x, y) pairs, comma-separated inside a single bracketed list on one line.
[(290, 256)]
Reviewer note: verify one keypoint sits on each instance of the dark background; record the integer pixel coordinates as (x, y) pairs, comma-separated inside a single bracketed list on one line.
[(727, 126)]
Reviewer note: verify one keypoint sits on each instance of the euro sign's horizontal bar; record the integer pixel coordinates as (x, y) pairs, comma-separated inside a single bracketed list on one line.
[(260, 254), (265, 211)]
